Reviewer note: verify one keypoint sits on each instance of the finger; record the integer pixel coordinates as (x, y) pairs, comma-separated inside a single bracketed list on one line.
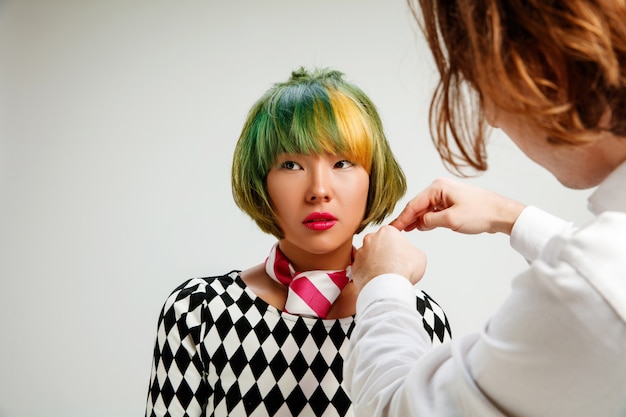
[(446, 218), (413, 210), (412, 226), (430, 221)]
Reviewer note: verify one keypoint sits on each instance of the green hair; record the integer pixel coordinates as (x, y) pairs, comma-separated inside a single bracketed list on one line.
[(312, 113)]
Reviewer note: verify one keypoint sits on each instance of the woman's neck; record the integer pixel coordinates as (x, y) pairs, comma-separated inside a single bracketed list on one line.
[(303, 260)]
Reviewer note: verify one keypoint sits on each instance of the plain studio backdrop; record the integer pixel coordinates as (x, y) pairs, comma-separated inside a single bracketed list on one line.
[(117, 124)]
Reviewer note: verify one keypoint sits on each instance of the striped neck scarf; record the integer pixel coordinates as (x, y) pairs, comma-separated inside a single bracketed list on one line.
[(310, 293)]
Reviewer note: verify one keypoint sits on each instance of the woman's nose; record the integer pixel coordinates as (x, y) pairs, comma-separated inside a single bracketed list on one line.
[(320, 188)]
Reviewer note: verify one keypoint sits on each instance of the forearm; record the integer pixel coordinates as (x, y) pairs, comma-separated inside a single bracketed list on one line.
[(385, 346), (554, 327)]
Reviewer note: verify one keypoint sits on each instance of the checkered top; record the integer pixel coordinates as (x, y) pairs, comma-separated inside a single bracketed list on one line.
[(222, 351)]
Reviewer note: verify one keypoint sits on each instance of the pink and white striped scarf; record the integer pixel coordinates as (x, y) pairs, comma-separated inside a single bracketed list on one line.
[(310, 293)]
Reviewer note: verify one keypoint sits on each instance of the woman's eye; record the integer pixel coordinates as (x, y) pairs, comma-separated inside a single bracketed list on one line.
[(289, 165), (344, 164)]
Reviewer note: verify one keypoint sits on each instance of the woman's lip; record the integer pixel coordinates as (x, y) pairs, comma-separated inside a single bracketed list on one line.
[(319, 217), (320, 224), (319, 221)]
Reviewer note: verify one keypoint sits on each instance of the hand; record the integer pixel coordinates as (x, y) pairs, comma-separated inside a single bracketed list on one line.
[(387, 251), (460, 207)]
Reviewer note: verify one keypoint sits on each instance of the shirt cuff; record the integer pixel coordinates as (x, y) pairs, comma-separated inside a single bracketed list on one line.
[(386, 287), (533, 229)]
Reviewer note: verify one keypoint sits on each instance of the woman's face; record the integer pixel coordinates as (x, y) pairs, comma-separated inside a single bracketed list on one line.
[(319, 201)]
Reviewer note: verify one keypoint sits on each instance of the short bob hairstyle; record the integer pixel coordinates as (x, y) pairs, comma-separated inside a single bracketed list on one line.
[(314, 112)]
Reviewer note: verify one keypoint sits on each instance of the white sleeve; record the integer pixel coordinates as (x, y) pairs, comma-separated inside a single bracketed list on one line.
[(392, 370), (554, 348), (386, 345), (534, 228)]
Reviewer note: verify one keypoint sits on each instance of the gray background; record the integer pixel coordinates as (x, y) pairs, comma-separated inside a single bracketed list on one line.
[(118, 120)]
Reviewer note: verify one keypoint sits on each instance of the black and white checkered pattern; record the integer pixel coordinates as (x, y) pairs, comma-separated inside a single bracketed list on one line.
[(222, 351)]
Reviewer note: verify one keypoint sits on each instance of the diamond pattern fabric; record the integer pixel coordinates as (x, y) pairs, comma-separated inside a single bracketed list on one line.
[(222, 351)]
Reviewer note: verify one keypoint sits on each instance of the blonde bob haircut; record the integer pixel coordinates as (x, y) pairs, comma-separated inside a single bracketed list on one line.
[(314, 112)]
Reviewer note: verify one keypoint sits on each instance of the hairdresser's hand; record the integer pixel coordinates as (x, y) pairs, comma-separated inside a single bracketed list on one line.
[(387, 251), (460, 207)]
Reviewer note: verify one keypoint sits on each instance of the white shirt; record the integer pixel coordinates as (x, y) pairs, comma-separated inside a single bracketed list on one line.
[(556, 347)]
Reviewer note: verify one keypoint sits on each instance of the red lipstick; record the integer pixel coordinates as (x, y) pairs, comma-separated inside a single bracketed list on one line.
[(319, 221)]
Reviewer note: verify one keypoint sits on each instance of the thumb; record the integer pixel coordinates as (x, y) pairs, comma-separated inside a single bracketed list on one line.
[(432, 220), (401, 225)]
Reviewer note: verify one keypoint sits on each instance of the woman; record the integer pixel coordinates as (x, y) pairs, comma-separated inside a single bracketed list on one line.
[(552, 76), (312, 167)]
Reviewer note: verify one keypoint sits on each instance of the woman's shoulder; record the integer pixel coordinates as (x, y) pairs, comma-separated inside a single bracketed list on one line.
[(210, 282), (202, 290)]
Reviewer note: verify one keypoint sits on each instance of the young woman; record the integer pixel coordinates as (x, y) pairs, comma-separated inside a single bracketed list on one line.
[(552, 76), (312, 167)]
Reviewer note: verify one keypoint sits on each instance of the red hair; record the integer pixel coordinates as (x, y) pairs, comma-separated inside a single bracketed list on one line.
[(560, 64)]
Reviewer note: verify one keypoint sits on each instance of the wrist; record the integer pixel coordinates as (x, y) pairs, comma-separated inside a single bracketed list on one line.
[(507, 216), (386, 287)]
